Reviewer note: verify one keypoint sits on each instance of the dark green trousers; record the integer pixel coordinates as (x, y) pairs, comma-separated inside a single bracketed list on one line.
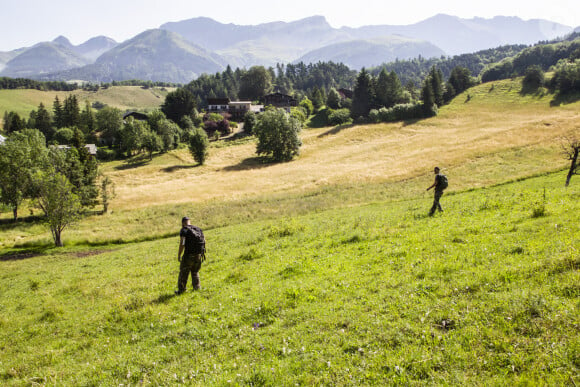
[(190, 264), (436, 205)]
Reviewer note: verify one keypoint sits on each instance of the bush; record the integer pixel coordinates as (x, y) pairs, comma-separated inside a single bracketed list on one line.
[(198, 145), (250, 120), (533, 78), (106, 154), (339, 117), (566, 78), (405, 111), (374, 116), (307, 105), (299, 113), (64, 136)]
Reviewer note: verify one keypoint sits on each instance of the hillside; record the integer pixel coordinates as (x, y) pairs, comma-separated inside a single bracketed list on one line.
[(122, 97), (368, 295), (493, 136)]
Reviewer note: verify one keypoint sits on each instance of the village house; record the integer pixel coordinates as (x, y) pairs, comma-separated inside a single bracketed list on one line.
[(91, 148), (136, 115), (237, 109), (2, 139), (279, 100), (218, 105), (345, 93)]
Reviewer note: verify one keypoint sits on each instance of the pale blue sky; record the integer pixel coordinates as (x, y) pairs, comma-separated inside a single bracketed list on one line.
[(26, 22)]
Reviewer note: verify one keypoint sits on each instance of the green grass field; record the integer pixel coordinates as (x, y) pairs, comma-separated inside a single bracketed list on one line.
[(322, 271), (485, 293)]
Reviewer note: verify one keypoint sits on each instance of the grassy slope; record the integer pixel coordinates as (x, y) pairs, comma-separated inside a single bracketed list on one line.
[(485, 294), (122, 97), (497, 135)]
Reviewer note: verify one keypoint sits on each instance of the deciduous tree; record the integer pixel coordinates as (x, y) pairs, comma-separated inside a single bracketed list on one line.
[(278, 135), (60, 204)]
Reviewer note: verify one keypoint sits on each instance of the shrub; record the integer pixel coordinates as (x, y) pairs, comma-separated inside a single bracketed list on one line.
[(198, 144), (250, 120), (106, 154), (339, 117), (374, 115), (64, 136), (533, 78)]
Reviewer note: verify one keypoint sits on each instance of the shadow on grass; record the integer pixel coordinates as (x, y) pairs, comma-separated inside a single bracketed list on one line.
[(236, 136), (257, 162), (132, 165), (412, 121), (174, 168), (335, 130), (7, 224), (22, 254), (164, 298), (564, 99)]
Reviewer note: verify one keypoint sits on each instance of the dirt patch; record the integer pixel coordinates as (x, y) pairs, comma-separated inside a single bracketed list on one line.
[(84, 254), (18, 256)]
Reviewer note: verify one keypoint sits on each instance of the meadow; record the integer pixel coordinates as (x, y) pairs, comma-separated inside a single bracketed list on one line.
[(23, 101), (494, 136), (484, 294), (322, 271)]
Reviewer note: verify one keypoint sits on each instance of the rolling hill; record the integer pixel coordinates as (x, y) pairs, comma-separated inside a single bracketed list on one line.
[(321, 271), (122, 97)]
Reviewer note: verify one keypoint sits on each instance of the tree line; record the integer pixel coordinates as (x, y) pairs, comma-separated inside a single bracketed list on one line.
[(24, 83)]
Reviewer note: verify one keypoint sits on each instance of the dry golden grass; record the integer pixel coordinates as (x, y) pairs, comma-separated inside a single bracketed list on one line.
[(492, 125), (122, 97), (495, 136)]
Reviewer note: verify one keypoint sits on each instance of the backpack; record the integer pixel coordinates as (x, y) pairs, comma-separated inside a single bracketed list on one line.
[(194, 240), (443, 182)]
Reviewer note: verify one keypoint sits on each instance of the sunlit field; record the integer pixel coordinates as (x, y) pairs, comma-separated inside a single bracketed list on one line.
[(488, 135), (485, 293)]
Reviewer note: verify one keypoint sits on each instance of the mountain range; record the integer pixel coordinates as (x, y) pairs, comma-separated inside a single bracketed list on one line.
[(181, 51)]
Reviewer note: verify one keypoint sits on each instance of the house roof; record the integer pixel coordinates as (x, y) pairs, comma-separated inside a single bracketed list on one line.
[(218, 101), (136, 115)]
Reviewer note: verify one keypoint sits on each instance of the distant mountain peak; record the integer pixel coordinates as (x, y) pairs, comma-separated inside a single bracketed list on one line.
[(63, 41)]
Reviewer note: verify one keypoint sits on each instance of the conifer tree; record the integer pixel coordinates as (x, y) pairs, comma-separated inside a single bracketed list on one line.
[(363, 95)]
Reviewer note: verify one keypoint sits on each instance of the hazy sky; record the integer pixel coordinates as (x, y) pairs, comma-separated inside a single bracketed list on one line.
[(26, 22)]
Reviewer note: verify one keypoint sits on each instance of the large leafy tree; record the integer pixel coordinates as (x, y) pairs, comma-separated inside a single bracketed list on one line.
[(21, 156), (278, 135)]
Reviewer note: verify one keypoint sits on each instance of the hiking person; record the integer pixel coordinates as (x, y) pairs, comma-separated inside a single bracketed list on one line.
[(439, 184), (192, 246)]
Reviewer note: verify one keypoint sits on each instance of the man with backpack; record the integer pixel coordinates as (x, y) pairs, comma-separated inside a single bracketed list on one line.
[(439, 184), (192, 246)]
